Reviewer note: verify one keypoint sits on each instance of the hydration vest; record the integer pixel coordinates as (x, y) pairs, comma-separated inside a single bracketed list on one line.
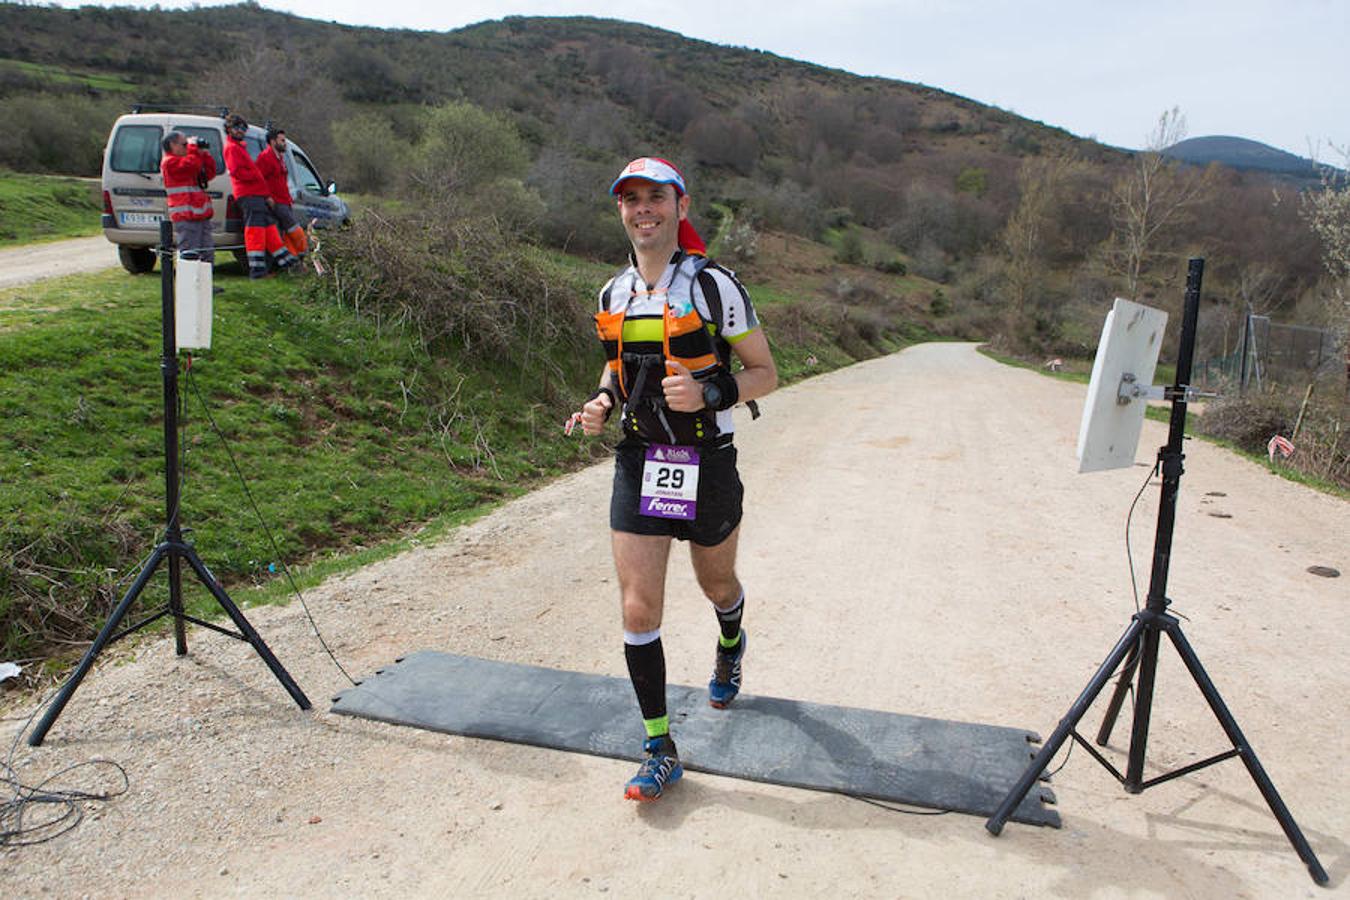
[(638, 346)]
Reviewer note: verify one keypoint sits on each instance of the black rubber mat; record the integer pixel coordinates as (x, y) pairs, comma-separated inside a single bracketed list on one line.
[(885, 756)]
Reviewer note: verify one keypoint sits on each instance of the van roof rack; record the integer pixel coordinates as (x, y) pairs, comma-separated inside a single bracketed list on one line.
[(221, 111)]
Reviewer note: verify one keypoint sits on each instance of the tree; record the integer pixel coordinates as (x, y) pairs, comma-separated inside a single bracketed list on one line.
[(1024, 236), (465, 149), (1151, 198), (268, 84), (369, 155), (719, 140), (1327, 213)]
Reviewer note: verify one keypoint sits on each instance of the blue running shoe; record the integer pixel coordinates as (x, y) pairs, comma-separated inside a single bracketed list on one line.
[(660, 769), (726, 677)]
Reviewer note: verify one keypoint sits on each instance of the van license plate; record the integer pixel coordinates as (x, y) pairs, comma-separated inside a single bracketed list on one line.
[(140, 218)]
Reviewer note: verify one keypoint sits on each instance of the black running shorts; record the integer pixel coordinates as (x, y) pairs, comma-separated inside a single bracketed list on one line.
[(719, 497)]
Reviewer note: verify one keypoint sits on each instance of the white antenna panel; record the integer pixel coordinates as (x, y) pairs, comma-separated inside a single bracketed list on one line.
[(1113, 415)]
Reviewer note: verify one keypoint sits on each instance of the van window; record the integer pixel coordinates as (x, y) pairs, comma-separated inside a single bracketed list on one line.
[(211, 136), (254, 144), (305, 175), (136, 148)]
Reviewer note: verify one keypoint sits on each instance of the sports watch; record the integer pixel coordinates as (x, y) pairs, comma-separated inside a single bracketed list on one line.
[(712, 395)]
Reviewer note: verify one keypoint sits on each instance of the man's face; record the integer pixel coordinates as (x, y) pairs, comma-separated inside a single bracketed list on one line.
[(279, 143), (651, 214), (178, 146), (237, 131)]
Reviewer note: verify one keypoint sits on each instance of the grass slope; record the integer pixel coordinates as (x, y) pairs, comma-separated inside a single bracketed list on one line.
[(44, 207), (344, 434)]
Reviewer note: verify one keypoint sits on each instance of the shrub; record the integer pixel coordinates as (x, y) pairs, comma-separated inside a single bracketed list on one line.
[(1248, 420), (465, 148), (54, 133), (972, 181), (939, 305), (892, 266), (459, 283), (370, 157), (850, 249)]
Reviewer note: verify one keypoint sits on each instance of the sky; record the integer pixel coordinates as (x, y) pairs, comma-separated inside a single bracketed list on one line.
[(1276, 72)]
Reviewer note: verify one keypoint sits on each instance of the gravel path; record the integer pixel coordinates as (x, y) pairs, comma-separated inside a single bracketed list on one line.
[(34, 262), (916, 540)]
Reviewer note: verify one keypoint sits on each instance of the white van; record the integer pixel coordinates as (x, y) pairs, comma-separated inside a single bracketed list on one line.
[(133, 189)]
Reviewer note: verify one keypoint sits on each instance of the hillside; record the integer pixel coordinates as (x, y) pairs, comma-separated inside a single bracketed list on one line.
[(1244, 155), (571, 79)]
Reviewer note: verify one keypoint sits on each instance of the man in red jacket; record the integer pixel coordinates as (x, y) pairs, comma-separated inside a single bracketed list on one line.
[(261, 238), (272, 164), (187, 168)]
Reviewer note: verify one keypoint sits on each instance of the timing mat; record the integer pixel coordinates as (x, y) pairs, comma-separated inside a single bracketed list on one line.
[(913, 760)]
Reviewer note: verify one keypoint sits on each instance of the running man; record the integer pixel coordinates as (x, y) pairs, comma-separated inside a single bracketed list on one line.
[(670, 324)]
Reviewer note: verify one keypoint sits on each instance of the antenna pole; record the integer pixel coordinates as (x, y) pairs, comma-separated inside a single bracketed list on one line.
[(173, 549), (1138, 647)]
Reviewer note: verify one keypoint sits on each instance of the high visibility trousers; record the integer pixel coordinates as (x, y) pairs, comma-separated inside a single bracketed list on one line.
[(292, 235), (261, 238)]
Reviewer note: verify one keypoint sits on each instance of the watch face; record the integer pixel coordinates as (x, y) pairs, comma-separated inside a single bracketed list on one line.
[(712, 396)]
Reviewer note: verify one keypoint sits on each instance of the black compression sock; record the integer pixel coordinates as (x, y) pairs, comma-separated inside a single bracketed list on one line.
[(730, 622), (647, 670)]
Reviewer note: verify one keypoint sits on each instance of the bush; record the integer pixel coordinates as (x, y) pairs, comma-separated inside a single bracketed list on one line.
[(578, 217), (1321, 447), (467, 149), (892, 266), (466, 284), (930, 262), (939, 305), (1249, 420), (850, 249), (370, 157), (54, 133), (972, 181)]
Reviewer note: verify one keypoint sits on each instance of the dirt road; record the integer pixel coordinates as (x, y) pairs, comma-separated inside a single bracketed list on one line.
[(916, 541), (33, 262)]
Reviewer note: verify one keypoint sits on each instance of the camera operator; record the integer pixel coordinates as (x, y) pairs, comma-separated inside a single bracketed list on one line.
[(187, 168)]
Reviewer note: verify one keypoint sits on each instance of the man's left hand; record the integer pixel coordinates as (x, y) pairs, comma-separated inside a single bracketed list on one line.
[(683, 393)]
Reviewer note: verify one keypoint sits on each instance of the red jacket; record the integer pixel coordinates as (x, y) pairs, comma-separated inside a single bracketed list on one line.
[(273, 169), (187, 202), (245, 179)]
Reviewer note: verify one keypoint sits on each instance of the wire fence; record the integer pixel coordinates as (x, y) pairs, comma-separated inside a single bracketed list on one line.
[(1274, 352)]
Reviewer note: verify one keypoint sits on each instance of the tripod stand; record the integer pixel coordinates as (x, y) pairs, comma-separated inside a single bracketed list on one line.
[(1138, 647), (173, 549)]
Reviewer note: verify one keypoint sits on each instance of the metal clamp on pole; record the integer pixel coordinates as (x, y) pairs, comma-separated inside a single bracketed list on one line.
[(1130, 390)]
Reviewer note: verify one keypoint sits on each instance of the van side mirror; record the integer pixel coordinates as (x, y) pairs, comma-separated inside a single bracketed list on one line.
[(332, 188)]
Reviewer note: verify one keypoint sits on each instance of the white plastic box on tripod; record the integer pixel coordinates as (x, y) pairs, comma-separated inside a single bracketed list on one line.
[(192, 304)]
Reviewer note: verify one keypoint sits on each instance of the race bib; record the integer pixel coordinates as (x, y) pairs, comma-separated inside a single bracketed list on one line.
[(669, 482)]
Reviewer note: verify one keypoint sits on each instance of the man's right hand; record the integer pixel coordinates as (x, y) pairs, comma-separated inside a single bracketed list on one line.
[(595, 413)]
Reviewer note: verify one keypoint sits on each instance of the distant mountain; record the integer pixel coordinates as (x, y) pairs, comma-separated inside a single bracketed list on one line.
[(1241, 153)]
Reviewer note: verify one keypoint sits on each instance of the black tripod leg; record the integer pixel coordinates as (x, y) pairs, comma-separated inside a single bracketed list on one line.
[(1143, 706), (176, 604), (109, 629), (252, 636), (1066, 727), (1254, 768), (1118, 697)]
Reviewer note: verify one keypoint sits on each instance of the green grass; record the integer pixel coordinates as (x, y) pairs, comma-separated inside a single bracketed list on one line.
[(46, 207), (345, 435), (58, 75)]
